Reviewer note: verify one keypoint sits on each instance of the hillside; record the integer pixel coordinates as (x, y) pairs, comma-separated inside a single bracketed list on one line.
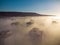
[(8, 14)]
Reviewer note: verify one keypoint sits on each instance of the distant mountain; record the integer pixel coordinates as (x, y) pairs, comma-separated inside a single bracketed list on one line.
[(11, 14)]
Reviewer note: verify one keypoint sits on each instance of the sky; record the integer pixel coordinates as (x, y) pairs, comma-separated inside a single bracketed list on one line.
[(51, 7)]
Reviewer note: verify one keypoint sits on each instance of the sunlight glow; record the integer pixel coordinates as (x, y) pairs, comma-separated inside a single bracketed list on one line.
[(55, 17)]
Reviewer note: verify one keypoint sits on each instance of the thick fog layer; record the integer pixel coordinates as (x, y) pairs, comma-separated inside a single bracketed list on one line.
[(29, 31)]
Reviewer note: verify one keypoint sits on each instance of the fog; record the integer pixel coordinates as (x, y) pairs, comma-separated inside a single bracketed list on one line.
[(16, 30)]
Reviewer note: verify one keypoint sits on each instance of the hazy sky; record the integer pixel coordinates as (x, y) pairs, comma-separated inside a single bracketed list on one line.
[(39, 6)]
